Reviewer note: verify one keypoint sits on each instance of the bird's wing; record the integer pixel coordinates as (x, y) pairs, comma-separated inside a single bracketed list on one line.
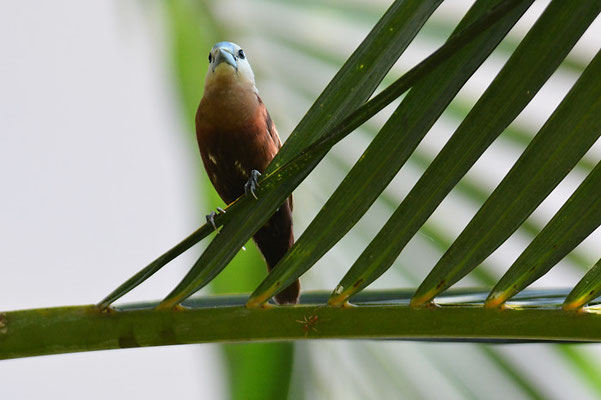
[(275, 137), (273, 133)]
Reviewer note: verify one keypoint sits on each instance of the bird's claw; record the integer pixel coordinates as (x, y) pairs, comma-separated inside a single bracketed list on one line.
[(211, 217), (252, 183)]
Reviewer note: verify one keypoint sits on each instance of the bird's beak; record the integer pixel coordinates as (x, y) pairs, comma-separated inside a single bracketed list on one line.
[(223, 55)]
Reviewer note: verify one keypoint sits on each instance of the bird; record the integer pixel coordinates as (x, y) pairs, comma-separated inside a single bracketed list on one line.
[(237, 139)]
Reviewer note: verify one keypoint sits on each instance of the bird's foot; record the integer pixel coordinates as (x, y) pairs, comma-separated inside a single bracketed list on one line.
[(211, 217), (253, 183)]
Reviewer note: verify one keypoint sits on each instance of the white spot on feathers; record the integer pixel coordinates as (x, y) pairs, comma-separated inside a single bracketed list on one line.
[(240, 168)]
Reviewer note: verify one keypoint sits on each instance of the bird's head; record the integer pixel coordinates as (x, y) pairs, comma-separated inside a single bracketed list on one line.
[(228, 62)]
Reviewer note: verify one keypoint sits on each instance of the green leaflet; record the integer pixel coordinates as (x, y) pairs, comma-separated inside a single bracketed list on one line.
[(156, 265), (577, 219), (562, 141), (588, 288)]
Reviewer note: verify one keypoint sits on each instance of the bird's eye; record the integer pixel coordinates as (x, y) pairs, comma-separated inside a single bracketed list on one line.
[(210, 57), (241, 54)]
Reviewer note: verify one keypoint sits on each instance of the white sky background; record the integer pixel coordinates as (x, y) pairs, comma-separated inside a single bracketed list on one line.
[(96, 178)]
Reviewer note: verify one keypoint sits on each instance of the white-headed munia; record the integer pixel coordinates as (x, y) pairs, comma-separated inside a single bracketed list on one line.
[(237, 140)]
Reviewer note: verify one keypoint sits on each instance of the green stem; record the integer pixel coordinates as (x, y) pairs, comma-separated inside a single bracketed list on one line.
[(84, 328)]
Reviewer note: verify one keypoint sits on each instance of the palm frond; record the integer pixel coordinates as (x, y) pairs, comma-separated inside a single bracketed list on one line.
[(559, 146)]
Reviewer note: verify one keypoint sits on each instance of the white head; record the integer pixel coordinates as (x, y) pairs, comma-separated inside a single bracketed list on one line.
[(228, 62)]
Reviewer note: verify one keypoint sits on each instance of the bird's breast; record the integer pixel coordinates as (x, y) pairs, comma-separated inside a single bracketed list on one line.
[(233, 139), (228, 105)]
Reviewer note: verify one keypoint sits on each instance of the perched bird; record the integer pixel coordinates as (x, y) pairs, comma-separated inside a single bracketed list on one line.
[(237, 140)]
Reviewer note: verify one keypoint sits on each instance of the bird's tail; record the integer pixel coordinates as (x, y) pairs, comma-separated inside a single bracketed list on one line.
[(274, 239)]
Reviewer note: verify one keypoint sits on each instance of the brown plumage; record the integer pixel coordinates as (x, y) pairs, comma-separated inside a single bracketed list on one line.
[(235, 136)]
